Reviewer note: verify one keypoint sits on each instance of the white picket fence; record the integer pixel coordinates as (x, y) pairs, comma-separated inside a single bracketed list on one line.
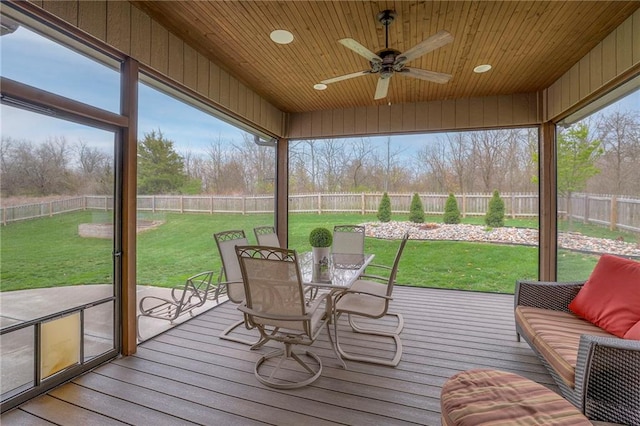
[(611, 211)]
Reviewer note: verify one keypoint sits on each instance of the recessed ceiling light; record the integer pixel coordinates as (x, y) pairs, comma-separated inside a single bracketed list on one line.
[(281, 36), (482, 68), (320, 86)]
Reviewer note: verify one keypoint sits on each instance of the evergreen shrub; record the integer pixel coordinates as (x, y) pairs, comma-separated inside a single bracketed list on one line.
[(495, 214), (416, 210), (451, 211), (384, 209)]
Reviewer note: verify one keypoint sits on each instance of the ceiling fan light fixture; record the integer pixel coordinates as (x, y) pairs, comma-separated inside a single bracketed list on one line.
[(281, 36), (388, 61), (320, 86), (482, 68)]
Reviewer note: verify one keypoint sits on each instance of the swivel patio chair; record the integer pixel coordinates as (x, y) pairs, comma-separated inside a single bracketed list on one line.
[(230, 278), (266, 236), (275, 305), (370, 298)]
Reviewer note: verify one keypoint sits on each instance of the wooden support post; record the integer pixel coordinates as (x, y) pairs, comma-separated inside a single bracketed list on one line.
[(129, 102), (548, 220), (282, 191)]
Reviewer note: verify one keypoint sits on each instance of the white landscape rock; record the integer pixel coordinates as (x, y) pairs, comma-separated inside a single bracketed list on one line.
[(504, 235)]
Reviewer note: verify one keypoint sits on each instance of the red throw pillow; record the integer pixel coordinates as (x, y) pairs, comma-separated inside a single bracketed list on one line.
[(633, 333), (610, 298)]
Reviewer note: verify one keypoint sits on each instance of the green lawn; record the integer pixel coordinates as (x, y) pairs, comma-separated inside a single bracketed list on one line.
[(48, 252)]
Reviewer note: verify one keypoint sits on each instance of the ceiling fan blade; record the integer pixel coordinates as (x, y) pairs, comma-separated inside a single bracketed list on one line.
[(436, 77), (360, 49), (382, 88), (437, 40), (346, 77)]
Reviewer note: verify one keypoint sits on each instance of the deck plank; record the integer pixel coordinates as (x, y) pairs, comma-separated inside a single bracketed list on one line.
[(189, 375)]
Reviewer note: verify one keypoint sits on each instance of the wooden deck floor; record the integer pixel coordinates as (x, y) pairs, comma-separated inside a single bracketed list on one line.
[(189, 376)]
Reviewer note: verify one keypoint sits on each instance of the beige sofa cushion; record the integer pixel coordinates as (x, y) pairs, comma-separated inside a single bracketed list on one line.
[(556, 336)]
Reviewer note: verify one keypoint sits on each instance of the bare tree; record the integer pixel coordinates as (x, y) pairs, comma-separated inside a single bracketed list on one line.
[(619, 133), (95, 172), (212, 181), (460, 150), (258, 165), (434, 161), (487, 147), (390, 162), (9, 170), (46, 166), (91, 160), (360, 162), (302, 154)]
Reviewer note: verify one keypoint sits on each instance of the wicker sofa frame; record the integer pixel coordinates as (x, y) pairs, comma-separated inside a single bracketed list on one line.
[(607, 372)]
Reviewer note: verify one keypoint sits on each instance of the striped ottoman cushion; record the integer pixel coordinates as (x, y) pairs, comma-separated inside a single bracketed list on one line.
[(492, 397)]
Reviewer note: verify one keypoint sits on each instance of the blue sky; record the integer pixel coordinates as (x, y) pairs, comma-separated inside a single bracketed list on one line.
[(70, 74)]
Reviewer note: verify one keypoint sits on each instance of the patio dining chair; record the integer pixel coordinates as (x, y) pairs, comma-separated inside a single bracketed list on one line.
[(349, 239), (275, 304), (230, 278), (266, 236), (369, 298)]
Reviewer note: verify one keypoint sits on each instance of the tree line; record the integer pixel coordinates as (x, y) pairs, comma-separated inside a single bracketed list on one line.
[(599, 155)]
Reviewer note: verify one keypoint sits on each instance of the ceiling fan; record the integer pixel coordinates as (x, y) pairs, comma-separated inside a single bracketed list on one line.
[(389, 61)]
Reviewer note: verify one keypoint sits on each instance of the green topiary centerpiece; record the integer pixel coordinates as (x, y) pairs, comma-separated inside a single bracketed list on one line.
[(321, 240), (320, 237)]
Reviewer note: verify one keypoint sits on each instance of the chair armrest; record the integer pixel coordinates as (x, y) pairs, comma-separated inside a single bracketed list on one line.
[(608, 378), (247, 311), (374, 277), (149, 309), (376, 265), (366, 293), (317, 301), (551, 295), (179, 296)]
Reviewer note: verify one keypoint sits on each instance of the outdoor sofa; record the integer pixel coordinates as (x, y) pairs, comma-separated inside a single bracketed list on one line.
[(587, 335)]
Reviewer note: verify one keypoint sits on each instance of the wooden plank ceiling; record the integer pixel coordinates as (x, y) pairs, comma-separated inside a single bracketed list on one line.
[(530, 44)]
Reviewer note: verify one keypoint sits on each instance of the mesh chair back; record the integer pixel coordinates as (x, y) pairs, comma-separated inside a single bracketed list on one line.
[(272, 284), (394, 269), (227, 242), (348, 239), (266, 236)]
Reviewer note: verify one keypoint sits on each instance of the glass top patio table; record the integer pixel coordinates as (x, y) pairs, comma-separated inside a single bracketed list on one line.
[(344, 269)]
